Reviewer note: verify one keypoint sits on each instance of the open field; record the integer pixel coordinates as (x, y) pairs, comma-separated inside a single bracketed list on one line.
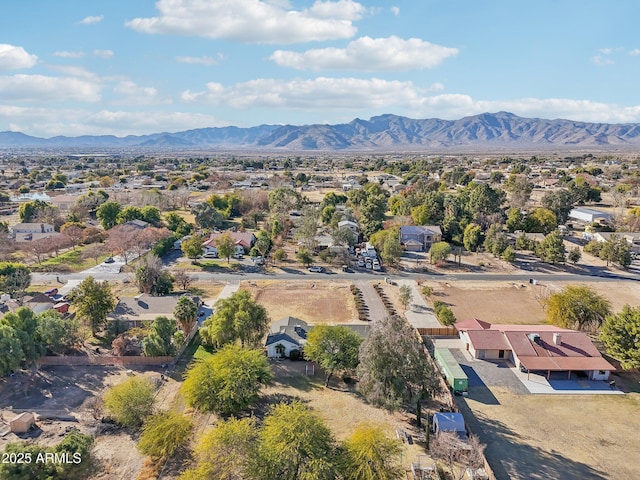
[(538, 437), (313, 302), (517, 303)]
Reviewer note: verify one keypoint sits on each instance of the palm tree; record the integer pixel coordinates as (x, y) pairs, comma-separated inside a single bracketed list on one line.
[(185, 313)]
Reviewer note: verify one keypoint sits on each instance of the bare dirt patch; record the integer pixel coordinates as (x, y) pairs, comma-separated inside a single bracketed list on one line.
[(557, 436), (519, 303), (313, 302), (63, 398)]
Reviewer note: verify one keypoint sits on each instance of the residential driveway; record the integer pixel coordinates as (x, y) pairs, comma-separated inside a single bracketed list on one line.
[(377, 311), (420, 315)]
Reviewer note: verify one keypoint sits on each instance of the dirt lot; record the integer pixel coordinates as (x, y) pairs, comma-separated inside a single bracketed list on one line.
[(62, 396), (517, 303), (568, 437), (313, 302)]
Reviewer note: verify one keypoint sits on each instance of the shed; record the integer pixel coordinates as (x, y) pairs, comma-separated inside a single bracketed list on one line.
[(22, 423), (449, 422)]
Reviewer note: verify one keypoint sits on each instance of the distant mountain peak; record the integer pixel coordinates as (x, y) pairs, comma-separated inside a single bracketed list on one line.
[(381, 132)]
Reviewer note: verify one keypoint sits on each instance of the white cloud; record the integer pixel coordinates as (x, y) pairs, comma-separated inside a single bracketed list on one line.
[(46, 122), (15, 58), (601, 61), (368, 54), (635, 52), (253, 21), (73, 71), (40, 88), (204, 60), (133, 94), (103, 53), (395, 10), (91, 20), (66, 54), (314, 94), (352, 97)]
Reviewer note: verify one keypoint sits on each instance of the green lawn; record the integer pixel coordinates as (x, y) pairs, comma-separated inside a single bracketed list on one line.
[(70, 261)]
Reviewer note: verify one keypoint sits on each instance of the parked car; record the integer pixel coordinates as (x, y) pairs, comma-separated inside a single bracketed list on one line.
[(259, 260), (316, 269), (238, 255), (210, 255), (51, 292), (109, 260)]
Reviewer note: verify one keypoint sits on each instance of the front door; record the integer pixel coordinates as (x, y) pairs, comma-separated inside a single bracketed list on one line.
[(501, 354)]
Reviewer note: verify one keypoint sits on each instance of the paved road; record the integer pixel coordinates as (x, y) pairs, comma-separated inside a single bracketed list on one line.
[(487, 277)]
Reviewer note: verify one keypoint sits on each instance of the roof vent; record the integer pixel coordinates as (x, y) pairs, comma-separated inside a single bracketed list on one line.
[(535, 338)]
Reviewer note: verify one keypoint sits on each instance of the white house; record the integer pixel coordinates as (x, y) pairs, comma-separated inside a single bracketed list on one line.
[(353, 226)]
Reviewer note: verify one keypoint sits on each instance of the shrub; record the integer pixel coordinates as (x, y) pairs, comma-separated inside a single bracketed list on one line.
[(443, 313)]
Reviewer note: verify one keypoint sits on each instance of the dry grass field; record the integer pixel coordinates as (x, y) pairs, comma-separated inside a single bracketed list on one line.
[(313, 302), (569, 437), (517, 303)]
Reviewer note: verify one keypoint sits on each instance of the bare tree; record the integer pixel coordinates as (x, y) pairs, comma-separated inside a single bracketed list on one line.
[(121, 240), (39, 249), (60, 242), (458, 454), (94, 252), (182, 278), (75, 233)]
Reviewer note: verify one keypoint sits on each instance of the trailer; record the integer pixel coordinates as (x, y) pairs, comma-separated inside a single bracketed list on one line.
[(450, 368)]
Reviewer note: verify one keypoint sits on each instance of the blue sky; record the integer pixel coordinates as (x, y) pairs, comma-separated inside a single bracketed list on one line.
[(73, 67)]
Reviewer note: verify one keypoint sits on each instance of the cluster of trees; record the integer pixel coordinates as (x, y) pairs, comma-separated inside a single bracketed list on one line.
[(25, 337), (614, 250), (293, 443), (443, 313)]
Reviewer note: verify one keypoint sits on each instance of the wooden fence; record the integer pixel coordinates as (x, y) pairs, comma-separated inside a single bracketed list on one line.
[(445, 331), (70, 360)]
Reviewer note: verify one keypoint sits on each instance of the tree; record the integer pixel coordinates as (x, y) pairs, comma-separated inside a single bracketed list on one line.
[(333, 347), (406, 295), (78, 447), (577, 307), (515, 219), (457, 454), (294, 443), (226, 246), (519, 188), (74, 231), (439, 252), (15, 278), (226, 451), (541, 220), (280, 255), (121, 240), (206, 216), (484, 200), (28, 211), (186, 313), (163, 433), (372, 454), (40, 248), (472, 238), (509, 254), (303, 255), (192, 247), (236, 318), (159, 341), (394, 368), (11, 354), (148, 273), (25, 323), (616, 250), (575, 255), (227, 382), (130, 402), (551, 249), (344, 236), (107, 214), (92, 302), (182, 278), (559, 202), (620, 333), (59, 335)]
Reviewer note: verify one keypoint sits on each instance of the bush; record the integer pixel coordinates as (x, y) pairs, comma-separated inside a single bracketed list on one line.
[(295, 354), (130, 402), (427, 291), (443, 313)]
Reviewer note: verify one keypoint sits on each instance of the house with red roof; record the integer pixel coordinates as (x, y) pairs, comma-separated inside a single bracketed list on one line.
[(535, 348), (242, 240)]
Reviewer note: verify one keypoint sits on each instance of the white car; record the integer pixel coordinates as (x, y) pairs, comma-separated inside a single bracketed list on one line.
[(210, 255), (316, 269)]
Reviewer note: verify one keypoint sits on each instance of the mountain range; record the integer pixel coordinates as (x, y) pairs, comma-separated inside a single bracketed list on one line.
[(380, 133)]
